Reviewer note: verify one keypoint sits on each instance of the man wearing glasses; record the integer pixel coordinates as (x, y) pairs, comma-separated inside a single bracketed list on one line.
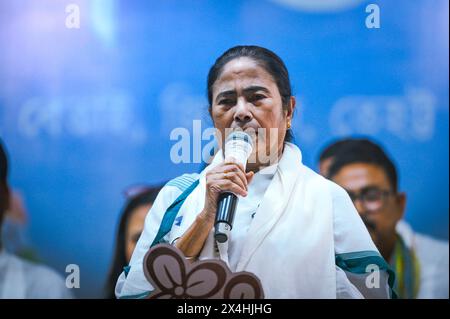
[(369, 176)]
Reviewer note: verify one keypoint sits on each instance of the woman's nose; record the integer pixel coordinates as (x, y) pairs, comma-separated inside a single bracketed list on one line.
[(243, 113)]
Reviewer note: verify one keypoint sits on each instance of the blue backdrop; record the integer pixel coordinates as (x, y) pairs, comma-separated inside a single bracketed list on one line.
[(87, 111)]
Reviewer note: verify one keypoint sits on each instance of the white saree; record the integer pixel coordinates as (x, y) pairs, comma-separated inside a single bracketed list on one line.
[(306, 239)]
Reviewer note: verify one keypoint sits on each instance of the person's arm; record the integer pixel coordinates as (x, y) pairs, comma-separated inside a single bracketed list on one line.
[(344, 288), (192, 241), (227, 176), (356, 254)]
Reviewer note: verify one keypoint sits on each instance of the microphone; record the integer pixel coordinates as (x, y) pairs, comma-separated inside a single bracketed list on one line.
[(238, 146)]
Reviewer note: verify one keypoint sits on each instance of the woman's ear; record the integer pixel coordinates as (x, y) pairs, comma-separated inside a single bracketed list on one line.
[(291, 107)]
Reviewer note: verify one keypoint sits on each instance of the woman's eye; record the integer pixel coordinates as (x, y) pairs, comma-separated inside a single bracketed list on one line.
[(257, 97), (226, 102)]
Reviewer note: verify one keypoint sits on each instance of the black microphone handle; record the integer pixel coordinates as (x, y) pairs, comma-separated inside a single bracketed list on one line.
[(226, 209)]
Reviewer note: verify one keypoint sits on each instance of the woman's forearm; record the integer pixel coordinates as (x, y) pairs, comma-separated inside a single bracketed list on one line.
[(225, 177), (192, 241)]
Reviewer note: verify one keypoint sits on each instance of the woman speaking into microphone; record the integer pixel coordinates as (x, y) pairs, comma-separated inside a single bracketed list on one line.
[(298, 232)]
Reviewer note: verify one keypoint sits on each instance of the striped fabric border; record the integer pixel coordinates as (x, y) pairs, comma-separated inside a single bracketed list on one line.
[(183, 182)]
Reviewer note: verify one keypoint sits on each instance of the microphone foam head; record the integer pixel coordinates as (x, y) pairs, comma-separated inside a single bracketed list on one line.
[(239, 145), (239, 135)]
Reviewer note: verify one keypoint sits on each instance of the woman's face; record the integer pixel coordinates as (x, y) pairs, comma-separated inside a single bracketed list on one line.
[(245, 96), (134, 228)]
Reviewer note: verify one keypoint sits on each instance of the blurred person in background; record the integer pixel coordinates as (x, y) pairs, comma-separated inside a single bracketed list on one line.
[(327, 155), (20, 279), (131, 225), (288, 219), (370, 177), (14, 236)]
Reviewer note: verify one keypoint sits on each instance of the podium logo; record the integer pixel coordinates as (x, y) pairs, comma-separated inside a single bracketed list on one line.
[(172, 277)]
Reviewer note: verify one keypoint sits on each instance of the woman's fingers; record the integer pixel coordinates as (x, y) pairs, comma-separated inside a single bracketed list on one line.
[(231, 171), (249, 176), (235, 178), (232, 162), (228, 177), (220, 182), (231, 186)]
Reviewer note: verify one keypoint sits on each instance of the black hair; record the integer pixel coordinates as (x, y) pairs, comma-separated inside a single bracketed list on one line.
[(4, 191), (335, 147), (350, 151), (119, 259), (267, 59), (3, 163)]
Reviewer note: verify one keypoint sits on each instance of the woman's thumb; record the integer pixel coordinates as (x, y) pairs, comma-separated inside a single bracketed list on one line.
[(249, 176)]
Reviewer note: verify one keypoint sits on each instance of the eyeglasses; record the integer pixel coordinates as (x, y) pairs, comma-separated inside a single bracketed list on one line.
[(373, 198)]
